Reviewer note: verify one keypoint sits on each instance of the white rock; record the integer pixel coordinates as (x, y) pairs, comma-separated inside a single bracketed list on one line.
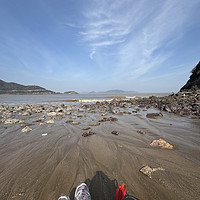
[(11, 121), (50, 122), (26, 129), (52, 114)]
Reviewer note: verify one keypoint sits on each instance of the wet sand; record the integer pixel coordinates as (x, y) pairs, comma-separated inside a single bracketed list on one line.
[(33, 166)]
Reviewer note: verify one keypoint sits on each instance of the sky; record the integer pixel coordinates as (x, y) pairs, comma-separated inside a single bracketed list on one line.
[(99, 45)]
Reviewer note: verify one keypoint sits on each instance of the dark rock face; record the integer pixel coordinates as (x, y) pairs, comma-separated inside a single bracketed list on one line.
[(194, 81), (14, 88)]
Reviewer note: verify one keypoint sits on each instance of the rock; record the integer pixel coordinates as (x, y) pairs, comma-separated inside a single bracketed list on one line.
[(51, 114), (94, 124), (120, 113), (59, 110), (75, 123), (86, 128), (73, 117), (146, 170), (161, 143), (69, 121), (115, 133), (49, 122), (26, 113), (111, 119), (44, 134), (68, 113), (26, 129), (88, 133), (59, 114), (80, 115), (141, 132), (11, 121), (154, 115)]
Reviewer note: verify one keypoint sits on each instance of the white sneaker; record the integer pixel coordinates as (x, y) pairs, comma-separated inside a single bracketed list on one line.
[(82, 192), (63, 197)]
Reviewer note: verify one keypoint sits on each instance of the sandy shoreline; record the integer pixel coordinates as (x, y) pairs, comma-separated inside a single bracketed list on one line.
[(33, 166)]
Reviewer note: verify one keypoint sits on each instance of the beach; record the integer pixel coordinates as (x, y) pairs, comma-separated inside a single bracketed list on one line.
[(53, 157)]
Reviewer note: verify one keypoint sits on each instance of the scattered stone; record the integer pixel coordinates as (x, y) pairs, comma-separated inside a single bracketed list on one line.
[(115, 133), (146, 170), (69, 121), (44, 134), (73, 117), (86, 128), (161, 143), (94, 124), (26, 113), (50, 121), (52, 114), (88, 133), (111, 119), (80, 115), (154, 115), (68, 113), (26, 129), (75, 123), (141, 132), (59, 114), (11, 121), (120, 113)]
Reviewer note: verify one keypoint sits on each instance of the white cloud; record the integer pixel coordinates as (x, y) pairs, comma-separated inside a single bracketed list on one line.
[(92, 54), (137, 30)]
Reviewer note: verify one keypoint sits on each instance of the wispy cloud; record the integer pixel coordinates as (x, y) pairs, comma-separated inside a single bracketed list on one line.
[(139, 32), (104, 26)]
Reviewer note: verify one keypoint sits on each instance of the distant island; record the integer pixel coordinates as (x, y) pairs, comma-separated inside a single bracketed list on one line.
[(71, 92), (15, 88), (112, 92)]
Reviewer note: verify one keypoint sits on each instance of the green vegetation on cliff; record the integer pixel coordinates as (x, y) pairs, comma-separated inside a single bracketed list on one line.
[(15, 88), (194, 81)]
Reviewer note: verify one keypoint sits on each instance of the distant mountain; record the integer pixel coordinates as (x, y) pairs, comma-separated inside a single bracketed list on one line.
[(194, 80), (15, 88), (71, 92), (118, 91), (112, 92)]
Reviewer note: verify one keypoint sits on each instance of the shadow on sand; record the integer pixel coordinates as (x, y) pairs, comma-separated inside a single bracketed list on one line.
[(101, 188)]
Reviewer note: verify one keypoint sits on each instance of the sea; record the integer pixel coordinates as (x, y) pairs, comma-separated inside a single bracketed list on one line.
[(70, 98), (6, 99)]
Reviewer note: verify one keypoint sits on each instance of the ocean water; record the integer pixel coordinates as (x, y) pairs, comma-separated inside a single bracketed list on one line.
[(69, 98)]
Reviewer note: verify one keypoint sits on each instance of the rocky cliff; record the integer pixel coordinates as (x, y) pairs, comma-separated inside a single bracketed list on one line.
[(194, 81), (15, 88)]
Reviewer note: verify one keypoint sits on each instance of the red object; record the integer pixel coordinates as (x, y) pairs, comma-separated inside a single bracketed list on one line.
[(120, 192)]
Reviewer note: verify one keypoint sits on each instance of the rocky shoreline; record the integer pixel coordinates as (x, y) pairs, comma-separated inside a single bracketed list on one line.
[(184, 103)]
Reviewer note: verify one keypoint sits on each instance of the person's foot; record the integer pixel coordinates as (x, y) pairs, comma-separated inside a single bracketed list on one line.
[(82, 192), (63, 197)]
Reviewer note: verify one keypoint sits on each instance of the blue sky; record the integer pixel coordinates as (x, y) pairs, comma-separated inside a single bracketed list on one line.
[(98, 45)]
